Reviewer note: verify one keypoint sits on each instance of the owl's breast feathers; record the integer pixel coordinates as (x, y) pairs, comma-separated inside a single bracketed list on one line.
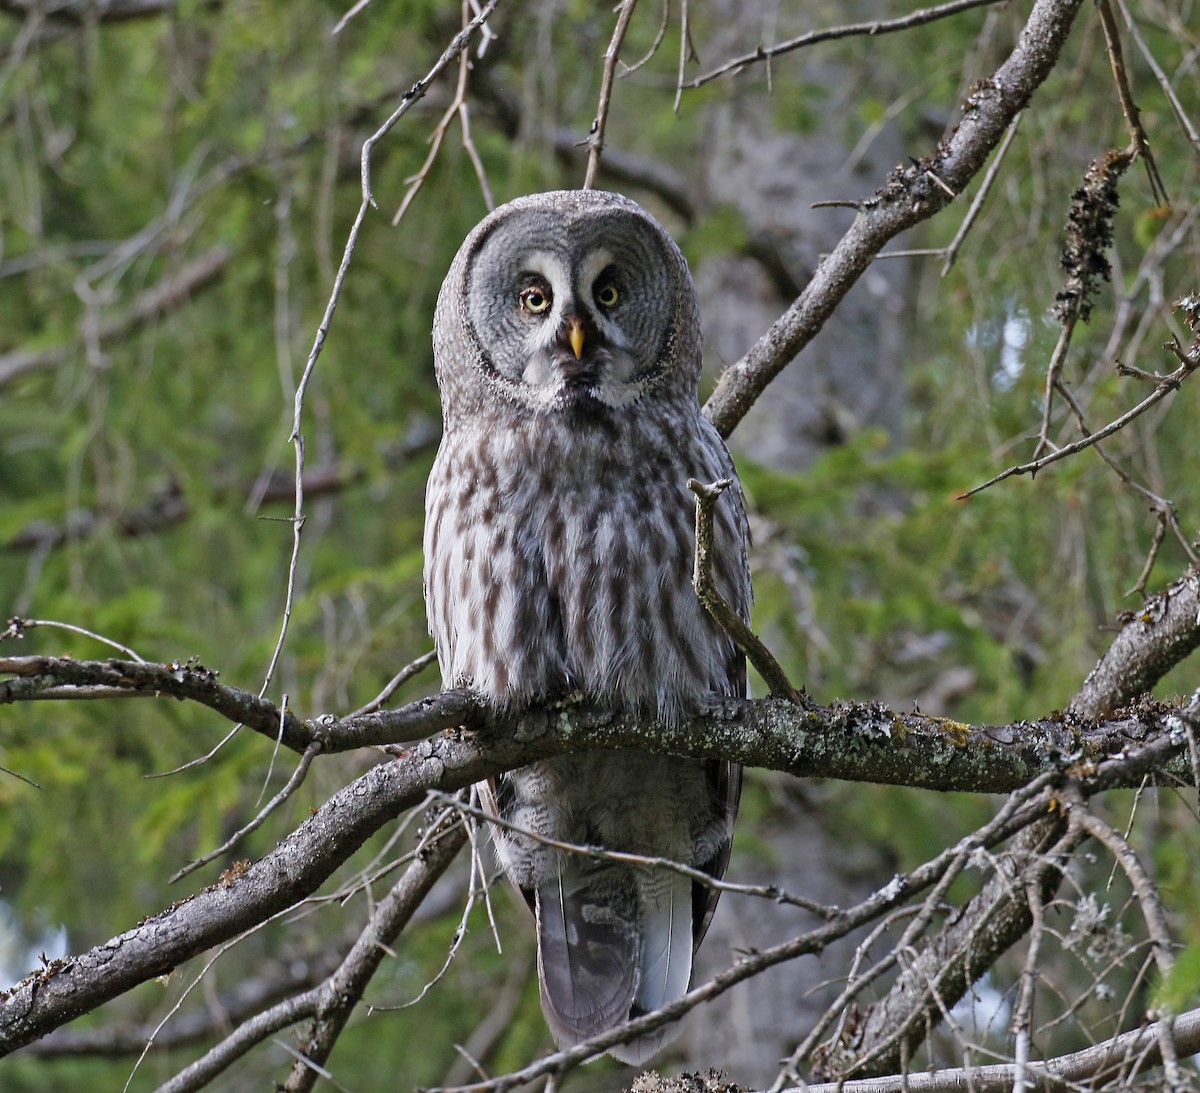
[(558, 558)]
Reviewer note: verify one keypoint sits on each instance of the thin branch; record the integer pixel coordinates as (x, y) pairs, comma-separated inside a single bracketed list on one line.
[(1169, 384), (1167, 516), (599, 853), (596, 137), (915, 971), (685, 52), (1133, 117), (1163, 82), (18, 626), (873, 28), (659, 35), (1054, 377), (1093, 1065), (294, 783), (717, 606), (951, 252), (274, 982), (413, 668), (458, 108)]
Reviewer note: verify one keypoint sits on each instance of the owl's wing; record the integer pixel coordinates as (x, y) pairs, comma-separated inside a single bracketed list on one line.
[(725, 785), (725, 778)]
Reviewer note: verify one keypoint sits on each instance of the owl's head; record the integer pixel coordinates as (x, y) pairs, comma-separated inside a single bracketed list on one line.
[(570, 301)]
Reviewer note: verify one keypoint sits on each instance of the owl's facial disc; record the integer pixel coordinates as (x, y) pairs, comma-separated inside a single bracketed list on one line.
[(578, 310), (576, 351)]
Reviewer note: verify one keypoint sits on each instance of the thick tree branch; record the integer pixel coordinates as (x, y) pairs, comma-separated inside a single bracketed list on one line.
[(330, 1003), (910, 196), (858, 742), (1150, 643)]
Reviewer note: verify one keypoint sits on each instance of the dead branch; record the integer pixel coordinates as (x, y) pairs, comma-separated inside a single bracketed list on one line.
[(873, 28), (716, 605), (1093, 1065), (850, 741), (1169, 384), (596, 137)]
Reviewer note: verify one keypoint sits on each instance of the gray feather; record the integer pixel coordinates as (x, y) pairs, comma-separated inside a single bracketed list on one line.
[(588, 948)]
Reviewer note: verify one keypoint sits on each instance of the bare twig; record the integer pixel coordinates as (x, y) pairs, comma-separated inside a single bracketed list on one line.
[(875, 27), (951, 252), (294, 783), (17, 627), (397, 681), (1170, 383), (686, 51), (659, 35), (599, 853), (1164, 83), (1054, 379), (342, 991), (1133, 118), (458, 108), (596, 137), (1156, 542), (716, 605), (1167, 516), (1022, 1022)]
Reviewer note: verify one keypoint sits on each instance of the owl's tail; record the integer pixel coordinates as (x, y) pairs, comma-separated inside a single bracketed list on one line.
[(613, 943)]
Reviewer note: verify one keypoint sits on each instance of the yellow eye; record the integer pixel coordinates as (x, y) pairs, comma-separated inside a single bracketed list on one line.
[(535, 300), (607, 295)]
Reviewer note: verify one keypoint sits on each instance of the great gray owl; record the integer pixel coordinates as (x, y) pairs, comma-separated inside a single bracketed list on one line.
[(558, 556)]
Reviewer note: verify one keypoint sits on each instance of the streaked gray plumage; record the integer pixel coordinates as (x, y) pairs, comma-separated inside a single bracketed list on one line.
[(558, 553)]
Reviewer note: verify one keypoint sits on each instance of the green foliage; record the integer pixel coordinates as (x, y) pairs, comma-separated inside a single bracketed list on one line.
[(1179, 990), (240, 126)]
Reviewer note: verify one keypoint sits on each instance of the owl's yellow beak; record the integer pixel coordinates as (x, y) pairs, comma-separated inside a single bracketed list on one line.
[(575, 335)]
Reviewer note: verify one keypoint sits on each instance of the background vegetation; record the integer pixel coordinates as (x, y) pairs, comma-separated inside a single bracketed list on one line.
[(177, 191)]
